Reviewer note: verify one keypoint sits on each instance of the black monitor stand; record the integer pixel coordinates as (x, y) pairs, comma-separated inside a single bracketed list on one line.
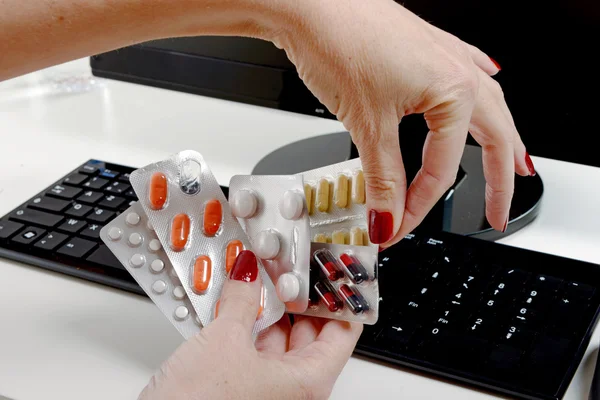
[(462, 208)]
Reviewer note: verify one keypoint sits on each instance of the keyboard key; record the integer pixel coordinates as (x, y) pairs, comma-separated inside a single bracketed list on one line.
[(579, 291), (88, 169), (452, 348), (107, 173), (118, 188), (483, 326), (78, 210), (101, 215), (130, 194), (90, 197), (549, 355), (105, 258), (504, 361), (111, 201), (28, 235), (124, 177), (75, 179), (76, 247), (397, 335), (452, 315), (92, 231), (567, 316), (34, 217), (72, 225), (517, 336), (515, 275), (64, 192), (96, 183), (546, 283), (51, 241), (46, 203), (9, 228)]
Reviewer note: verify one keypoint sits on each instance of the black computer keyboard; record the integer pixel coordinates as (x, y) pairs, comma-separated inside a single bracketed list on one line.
[(493, 316)]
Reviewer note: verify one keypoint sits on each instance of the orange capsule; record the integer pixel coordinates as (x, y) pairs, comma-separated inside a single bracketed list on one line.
[(180, 231), (233, 250), (158, 190), (213, 214), (202, 274), (262, 302)]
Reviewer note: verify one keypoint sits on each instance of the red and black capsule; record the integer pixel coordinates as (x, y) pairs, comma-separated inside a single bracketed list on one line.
[(354, 299), (315, 276), (328, 296), (354, 268), (329, 265)]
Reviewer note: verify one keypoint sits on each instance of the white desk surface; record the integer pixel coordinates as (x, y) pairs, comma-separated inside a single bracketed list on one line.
[(64, 338)]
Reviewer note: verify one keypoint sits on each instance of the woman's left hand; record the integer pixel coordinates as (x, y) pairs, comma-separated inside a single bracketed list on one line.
[(287, 362)]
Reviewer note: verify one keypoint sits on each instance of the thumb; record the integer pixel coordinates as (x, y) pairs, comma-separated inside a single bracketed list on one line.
[(241, 296), (385, 181)]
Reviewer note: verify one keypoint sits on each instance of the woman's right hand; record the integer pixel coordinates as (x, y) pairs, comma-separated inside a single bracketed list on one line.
[(373, 62)]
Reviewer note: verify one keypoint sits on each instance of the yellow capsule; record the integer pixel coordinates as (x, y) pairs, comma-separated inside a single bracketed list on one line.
[(320, 238), (322, 202), (366, 240), (308, 193), (356, 236), (358, 188), (341, 191), (340, 237)]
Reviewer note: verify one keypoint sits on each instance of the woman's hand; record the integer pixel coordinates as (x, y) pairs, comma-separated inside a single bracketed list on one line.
[(285, 362), (373, 62)]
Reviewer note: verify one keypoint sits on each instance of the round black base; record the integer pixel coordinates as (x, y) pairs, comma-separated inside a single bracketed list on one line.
[(462, 210)]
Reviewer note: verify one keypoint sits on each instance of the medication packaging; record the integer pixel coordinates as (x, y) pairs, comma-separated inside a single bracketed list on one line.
[(344, 283), (271, 210), (336, 203), (131, 239), (193, 221)]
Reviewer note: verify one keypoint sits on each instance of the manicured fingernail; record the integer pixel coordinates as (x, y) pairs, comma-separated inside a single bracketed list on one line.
[(529, 163), (381, 226), (245, 267), (381, 249), (496, 64), (505, 226)]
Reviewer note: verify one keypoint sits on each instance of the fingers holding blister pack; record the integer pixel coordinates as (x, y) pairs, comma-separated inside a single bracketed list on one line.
[(193, 221), (343, 283), (272, 212), (137, 247), (336, 203)]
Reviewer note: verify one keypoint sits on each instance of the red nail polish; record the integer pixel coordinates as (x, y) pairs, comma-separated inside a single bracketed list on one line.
[(496, 64), (529, 163), (381, 226), (245, 267), (505, 226)]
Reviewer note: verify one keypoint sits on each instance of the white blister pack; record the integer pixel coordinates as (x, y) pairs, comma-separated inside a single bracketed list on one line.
[(202, 238), (344, 283), (272, 211), (336, 201), (133, 242)]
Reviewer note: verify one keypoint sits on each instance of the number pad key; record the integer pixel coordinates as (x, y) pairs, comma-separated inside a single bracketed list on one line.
[(517, 335)]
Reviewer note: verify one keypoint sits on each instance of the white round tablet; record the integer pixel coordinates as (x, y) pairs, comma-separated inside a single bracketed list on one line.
[(154, 245), (179, 293), (291, 205), (135, 239), (149, 226), (157, 265), (159, 287), (132, 218), (267, 245), (244, 204), (288, 287), (137, 260), (115, 233), (181, 313)]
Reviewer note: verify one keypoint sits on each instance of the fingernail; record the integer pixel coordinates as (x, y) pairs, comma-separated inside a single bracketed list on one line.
[(381, 249), (381, 225), (496, 64), (505, 225), (529, 163), (245, 267)]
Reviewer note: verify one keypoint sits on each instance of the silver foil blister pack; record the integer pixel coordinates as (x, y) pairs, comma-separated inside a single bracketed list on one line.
[(336, 203), (344, 283), (194, 223), (133, 242), (272, 211)]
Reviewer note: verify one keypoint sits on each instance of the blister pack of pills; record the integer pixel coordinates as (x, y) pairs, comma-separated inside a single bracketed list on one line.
[(202, 238), (272, 211), (336, 202), (344, 283), (132, 240)]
